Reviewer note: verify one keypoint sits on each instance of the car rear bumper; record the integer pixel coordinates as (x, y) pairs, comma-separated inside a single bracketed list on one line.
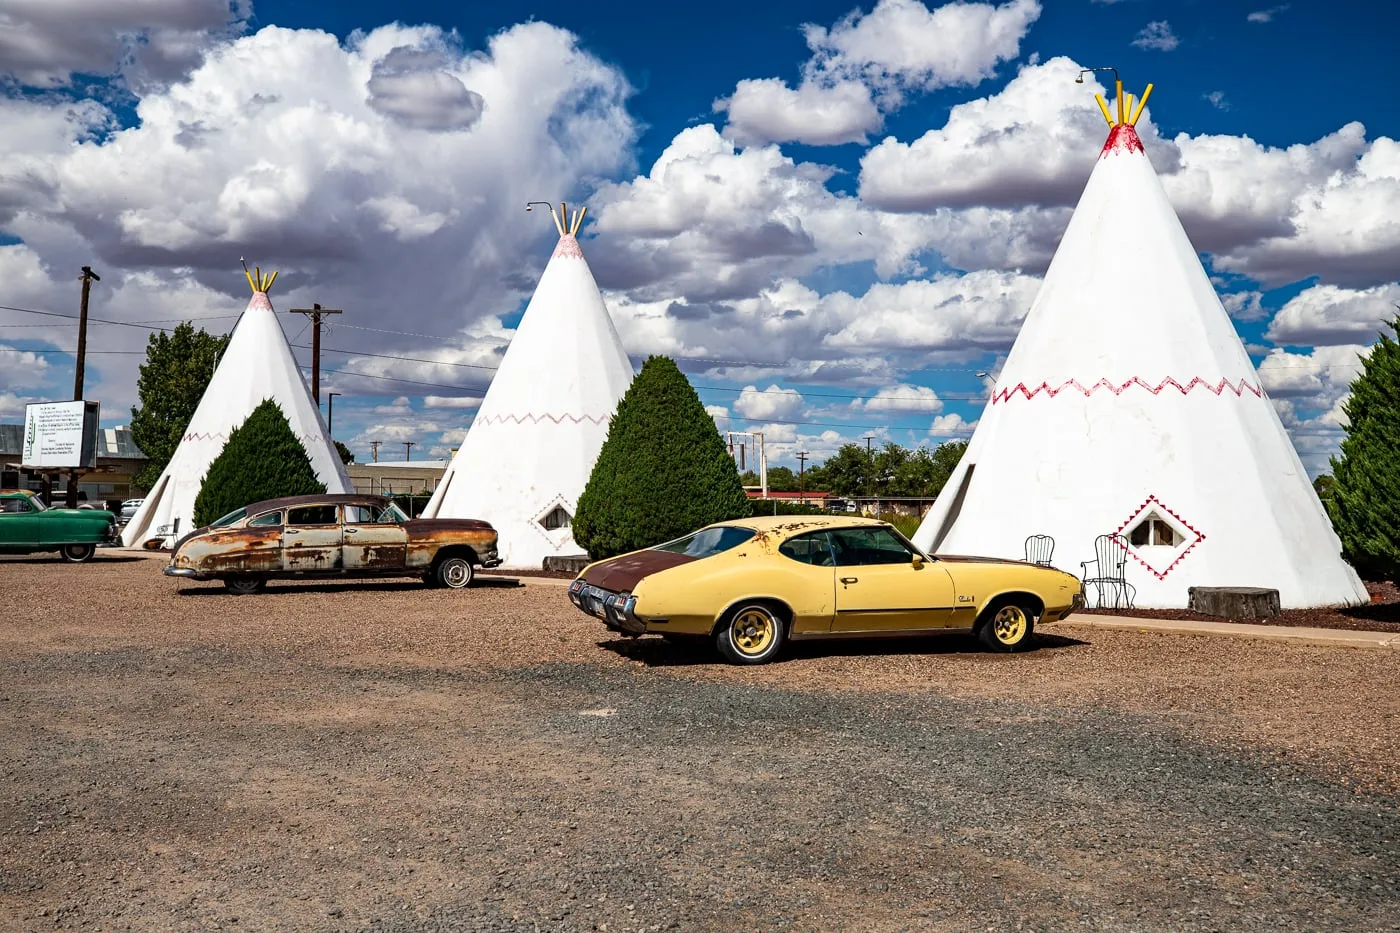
[(491, 562), (616, 610)]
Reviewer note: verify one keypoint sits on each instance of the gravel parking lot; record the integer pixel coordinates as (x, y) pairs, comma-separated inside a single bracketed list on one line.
[(383, 756)]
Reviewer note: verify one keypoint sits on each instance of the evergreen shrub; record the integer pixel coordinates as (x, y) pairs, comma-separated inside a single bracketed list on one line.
[(262, 459), (663, 471), (1365, 489)]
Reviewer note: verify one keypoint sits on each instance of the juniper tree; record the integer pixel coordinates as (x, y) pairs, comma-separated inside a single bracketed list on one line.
[(663, 471)]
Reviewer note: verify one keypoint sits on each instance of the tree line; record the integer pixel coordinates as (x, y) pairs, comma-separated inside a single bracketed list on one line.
[(891, 471)]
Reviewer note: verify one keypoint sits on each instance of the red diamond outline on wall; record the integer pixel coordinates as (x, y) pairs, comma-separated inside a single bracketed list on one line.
[(1132, 552)]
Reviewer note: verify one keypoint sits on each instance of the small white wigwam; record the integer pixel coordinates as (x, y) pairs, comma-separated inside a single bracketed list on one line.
[(1129, 406), (257, 365), (534, 440)]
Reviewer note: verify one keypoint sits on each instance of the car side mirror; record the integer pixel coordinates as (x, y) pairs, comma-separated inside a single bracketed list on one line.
[(918, 562)]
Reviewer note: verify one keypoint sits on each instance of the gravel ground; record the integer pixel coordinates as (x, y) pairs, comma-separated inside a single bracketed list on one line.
[(383, 756)]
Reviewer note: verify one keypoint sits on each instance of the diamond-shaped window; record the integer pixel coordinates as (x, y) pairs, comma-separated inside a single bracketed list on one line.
[(557, 517), (1155, 531)]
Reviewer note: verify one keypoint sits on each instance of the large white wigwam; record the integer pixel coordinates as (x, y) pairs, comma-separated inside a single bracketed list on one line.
[(257, 365), (1128, 405), (537, 434)]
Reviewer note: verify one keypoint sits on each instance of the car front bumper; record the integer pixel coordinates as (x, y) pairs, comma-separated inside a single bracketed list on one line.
[(616, 610), (181, 572)]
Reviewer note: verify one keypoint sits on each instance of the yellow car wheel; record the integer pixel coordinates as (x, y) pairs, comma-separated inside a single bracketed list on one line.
[(751, 634), (1008, 626)]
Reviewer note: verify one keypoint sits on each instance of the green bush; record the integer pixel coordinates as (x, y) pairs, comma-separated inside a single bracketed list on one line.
[(1365, 488), (780, 507), (663, 471), (905, 524), (262, 459)]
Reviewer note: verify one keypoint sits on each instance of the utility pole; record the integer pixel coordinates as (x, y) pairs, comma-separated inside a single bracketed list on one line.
[(87, 278), (316, 311), (802, 456), (407, 449), (374, 451)]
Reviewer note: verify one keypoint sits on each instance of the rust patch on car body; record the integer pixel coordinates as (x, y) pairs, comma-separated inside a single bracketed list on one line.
[(355, 547), (621, 574)]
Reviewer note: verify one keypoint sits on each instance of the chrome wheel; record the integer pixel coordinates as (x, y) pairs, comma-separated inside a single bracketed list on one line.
[(244, 586), (455, 573), (77, 553)]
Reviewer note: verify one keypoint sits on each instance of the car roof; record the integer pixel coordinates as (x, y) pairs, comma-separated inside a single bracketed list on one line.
[(16, 492), (797, 524), (291, 502)]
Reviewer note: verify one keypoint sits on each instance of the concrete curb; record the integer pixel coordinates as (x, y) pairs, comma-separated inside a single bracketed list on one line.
[(1319, 637)]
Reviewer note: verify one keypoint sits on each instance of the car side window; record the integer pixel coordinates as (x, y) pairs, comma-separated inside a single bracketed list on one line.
[(13, 506), (359, 515), (862, 546), (266, 520), (312, 515), (814, 549)]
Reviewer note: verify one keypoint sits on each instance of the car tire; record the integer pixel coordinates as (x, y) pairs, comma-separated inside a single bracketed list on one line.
[(244, 586), (1008, 626), (78, 553), (455, 573), (751, 634)]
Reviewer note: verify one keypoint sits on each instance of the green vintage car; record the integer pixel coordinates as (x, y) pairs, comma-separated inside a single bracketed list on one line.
[(27, 525)]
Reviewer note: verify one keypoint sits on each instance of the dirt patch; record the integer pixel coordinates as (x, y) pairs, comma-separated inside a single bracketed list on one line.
[(385, 756), (1382, 614)]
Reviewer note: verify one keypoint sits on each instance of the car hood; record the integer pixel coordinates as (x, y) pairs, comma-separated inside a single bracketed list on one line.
[(94, 514), (621, 574), (427, 525), (969, 559)]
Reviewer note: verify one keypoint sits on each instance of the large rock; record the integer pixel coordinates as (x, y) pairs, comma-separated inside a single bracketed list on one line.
[(1233, 602)]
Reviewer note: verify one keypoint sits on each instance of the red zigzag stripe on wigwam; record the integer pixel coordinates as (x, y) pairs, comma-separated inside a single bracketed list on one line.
[(536, 419), (1004, 395), (201, 436)]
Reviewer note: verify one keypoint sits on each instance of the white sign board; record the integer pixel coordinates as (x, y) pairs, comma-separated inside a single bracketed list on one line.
[(60, 435)]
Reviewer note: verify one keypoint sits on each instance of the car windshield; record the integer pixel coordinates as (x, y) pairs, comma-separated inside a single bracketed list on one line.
[(237, 515), (38, 504), (708, 541), (392, 515)]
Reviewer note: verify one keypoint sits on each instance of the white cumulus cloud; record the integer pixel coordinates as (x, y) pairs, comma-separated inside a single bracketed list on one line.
[(867, 63)]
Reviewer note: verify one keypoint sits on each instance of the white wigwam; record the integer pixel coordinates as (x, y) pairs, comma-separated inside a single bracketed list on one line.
[(257, 365), (534, 440), (1128, 405)]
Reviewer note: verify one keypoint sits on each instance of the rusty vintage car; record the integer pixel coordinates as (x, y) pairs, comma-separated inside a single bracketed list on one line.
[(333, 536)]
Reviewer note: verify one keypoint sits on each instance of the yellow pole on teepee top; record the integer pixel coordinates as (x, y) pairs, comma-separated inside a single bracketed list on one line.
[(1103, 105), (1119, 92), (1141, 104)]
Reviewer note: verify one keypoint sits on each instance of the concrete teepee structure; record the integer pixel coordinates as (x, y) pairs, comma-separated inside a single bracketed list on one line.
[(536, 436), (257, 365), (1129, 406)]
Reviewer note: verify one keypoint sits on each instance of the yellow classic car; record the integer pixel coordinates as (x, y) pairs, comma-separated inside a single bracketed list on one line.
[(751, 584)]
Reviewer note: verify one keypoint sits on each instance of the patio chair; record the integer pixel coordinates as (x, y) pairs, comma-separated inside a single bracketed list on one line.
[(1108, 576), (1040, 549)]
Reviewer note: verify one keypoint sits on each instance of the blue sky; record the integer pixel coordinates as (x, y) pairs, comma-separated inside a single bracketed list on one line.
[(382, 169)]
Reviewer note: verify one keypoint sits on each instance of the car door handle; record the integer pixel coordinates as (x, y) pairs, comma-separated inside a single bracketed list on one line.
[(352, 531), (291, 531), (850, 579)]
